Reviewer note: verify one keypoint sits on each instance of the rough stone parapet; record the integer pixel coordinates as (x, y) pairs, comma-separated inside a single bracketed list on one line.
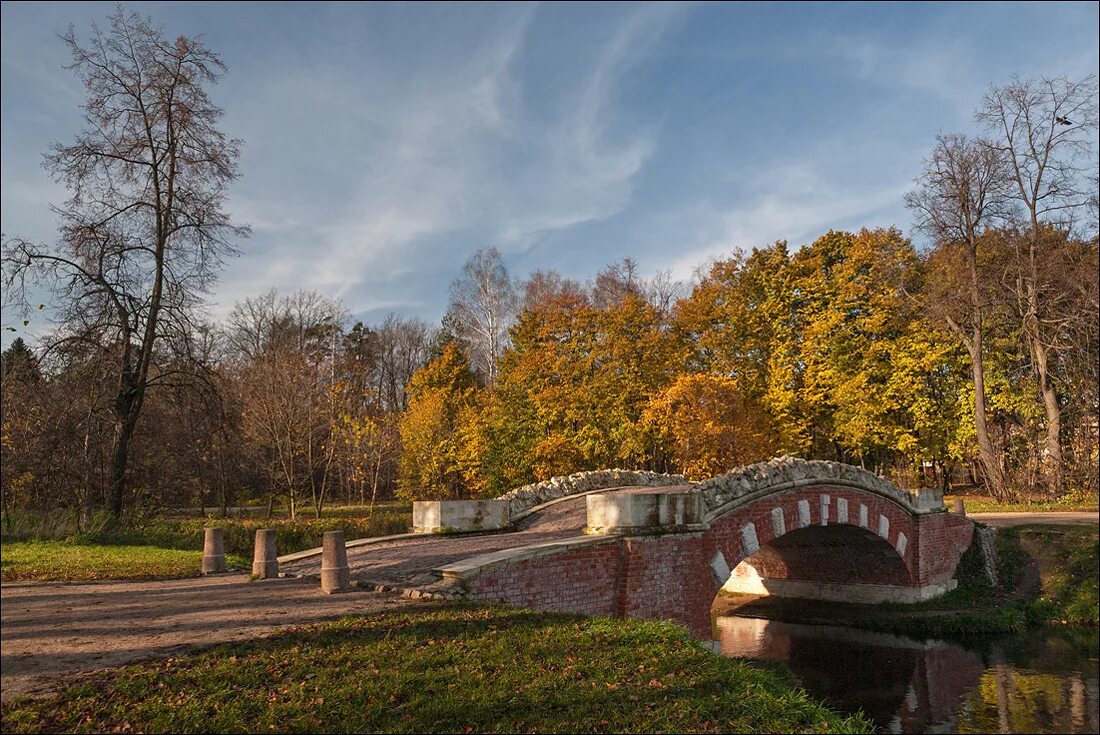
[(727, 491), (528, 496)]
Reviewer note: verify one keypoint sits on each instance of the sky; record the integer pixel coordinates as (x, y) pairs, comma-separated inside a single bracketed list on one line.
[(385, 143)]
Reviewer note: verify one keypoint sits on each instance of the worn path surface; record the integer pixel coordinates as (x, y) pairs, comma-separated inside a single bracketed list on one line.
[(52, 631)]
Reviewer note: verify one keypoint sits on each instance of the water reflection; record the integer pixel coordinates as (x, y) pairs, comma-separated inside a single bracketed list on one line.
[(1035, 683)]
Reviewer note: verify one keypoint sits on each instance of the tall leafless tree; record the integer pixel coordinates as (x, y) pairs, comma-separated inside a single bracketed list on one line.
[(145, 229), (483, 305), (1044, 129), (960, 193)]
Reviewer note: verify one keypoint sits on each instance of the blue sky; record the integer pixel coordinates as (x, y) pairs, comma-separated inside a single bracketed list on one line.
[(384, 143)]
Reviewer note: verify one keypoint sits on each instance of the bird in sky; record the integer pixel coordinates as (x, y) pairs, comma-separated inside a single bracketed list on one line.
[(1062, 120)]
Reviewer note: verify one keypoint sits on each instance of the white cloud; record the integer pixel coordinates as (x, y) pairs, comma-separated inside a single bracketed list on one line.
[(431, 162)]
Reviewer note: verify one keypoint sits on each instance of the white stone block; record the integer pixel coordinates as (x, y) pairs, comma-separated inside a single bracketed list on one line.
[(749, 542), (803, 513), (720, 567), (824, 510), (902, 541), (863, 515), (841, 510), (884, 527), (779, 523)]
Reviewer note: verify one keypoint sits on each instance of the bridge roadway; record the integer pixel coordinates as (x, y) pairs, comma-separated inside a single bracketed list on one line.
[(409, 561)]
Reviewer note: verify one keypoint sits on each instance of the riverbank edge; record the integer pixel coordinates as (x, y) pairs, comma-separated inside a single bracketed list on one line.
[(1021, 601)]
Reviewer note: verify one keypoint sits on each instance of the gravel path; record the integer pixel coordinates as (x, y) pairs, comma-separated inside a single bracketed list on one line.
[(52, 632)]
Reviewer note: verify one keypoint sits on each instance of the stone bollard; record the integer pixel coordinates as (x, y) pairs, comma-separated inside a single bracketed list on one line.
[(335, 575), (265, 563), (960, 509), (213, 551)]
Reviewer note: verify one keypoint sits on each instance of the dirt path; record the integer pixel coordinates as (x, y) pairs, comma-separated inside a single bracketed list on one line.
[(52, 631)]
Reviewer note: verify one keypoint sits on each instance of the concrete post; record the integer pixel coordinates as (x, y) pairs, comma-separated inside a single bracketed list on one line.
[(213, 551), (960, 509), (335, 574), (265, 563)]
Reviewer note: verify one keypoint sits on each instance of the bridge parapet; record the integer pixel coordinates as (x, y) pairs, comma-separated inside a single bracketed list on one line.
[(641, 513), (522, 499), (726, 492)]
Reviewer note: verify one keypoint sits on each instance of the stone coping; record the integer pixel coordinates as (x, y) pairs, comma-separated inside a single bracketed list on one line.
[(475, 565), (298, 555)]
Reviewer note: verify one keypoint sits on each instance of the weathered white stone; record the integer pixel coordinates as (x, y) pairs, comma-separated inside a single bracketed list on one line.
[(643, 512), (753, 584), (749, 542), (841, 510), (902, 541), (824, 510), (434, 516), (803, 513), (863, 515), (720, 567), (779, 523), (884, 526)]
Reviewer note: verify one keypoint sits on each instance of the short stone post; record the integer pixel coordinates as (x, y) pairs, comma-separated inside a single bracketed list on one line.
[(335, 574), (213, 551), (960, 509), (265, 563)]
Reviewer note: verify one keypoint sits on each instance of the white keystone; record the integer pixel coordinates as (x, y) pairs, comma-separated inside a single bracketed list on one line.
[(884, 527), (902, 541), (720, 567), (863, 515), (749, 542), (824, 510), (779, 523), (803, 513), (841, 510)]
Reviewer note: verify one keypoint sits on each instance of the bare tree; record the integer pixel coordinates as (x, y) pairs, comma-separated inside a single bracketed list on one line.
[(961, 191), (483, 304), (1044, 129), (144, 231)]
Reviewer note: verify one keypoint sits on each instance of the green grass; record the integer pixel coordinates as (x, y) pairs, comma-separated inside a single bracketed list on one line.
[(453, 669), (1068, 559), (187, 533), (44, 561), (982, 504)]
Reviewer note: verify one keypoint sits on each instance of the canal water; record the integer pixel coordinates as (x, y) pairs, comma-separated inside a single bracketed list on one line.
[(1041, 682)]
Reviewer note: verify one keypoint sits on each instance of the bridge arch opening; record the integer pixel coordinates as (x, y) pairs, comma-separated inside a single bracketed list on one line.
[(835, 562)]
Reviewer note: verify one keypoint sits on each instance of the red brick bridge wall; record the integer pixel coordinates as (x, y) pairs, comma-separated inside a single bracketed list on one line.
[(670, 577)]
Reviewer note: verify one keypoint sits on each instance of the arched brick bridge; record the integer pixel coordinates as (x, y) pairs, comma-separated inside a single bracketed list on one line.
[(654, 546)]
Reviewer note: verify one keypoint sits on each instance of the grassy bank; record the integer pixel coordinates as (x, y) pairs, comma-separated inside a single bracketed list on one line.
[(455, 669), (1047, 576), (983, 504), (44, 561), (42, 549)]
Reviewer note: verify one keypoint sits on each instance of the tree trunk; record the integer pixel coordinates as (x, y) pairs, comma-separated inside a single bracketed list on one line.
[(991, 467), (1052, 445), (119, 459)]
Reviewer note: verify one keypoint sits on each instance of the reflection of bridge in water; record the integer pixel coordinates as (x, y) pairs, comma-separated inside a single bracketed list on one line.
[(1038, 682), (902, 684)]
